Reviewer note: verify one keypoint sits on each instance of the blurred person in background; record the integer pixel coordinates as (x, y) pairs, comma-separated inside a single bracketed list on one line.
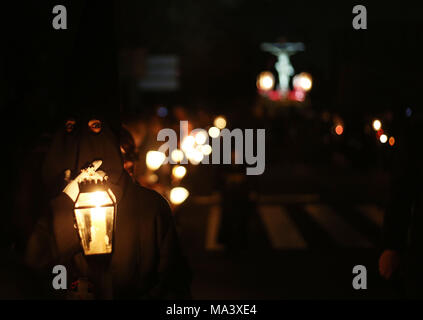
[(403, 223), (237, 206)]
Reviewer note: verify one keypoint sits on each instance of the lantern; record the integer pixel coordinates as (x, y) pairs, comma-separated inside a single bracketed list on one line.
[(95, 216)]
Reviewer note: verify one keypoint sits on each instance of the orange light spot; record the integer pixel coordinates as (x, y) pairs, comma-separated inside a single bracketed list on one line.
[(391, 141), (339, 129)]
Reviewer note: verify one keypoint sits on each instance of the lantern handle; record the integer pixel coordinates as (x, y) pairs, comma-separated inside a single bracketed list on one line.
[(89, 173)]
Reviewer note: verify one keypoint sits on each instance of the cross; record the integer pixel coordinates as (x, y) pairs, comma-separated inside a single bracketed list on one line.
[(283, 65)]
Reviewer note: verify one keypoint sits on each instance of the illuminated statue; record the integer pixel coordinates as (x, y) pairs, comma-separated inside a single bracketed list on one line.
[(283, 66)]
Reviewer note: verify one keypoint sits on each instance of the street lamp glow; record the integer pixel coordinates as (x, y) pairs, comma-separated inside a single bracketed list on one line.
[(383, 138), (178, 195), (179, 172), (214, 132), (265, 81), (154, 159), (177, 155), (220, 122), (303, 81), (377, 125)]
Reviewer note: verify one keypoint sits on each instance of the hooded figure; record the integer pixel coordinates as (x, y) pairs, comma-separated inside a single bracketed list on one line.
[(146, 261)]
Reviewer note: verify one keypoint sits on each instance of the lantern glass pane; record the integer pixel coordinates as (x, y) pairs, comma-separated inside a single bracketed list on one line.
[(97, 198), (96, 223)]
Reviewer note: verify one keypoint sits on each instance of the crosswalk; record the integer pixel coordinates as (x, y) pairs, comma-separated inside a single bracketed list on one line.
[(277, 223), (301, 226)]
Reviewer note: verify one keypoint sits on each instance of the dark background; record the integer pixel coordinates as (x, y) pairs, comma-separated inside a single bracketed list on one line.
[(218, 42)]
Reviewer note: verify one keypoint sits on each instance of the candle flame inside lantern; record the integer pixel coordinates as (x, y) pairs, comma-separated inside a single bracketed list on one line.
[(94, 213)]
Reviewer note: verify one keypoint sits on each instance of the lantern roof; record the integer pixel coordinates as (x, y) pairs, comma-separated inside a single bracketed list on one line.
[(92, 186)]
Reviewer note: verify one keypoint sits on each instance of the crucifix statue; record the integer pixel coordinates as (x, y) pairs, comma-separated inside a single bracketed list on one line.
[(283, 66)]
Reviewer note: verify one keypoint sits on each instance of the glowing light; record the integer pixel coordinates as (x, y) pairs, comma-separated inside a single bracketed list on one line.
[(377, 125), (198, 156), (94, 214), (206, 149), (220, 122), (214, 132), (99, 198), (339, 129), (383, 138), (154, 159), (201, 137), (178, 195), (177, 155), (152, 178), (391, 141), (195, 156), (299, 95), (303, 81), (265, 81), (179, 172), (188, 143)]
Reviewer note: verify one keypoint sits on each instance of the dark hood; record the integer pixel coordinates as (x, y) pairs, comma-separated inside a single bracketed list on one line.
[(76, 150)]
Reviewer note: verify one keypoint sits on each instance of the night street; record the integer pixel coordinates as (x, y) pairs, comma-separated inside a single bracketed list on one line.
[(203, 151), (299, 246)]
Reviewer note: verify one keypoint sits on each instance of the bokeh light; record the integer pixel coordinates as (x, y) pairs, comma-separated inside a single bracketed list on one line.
[(214, 132), (178, 195), (201, 137), (154, 159), (152, 178), (377, 125), (220, 122), (339, 129), (177, 155), (179, 172), (206, 149), (265, 81), (383, 138), (303, 81), (188, 143), (162, 112), (195, 156)]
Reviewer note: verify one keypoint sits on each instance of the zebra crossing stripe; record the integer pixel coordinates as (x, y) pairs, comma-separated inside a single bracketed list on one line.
[(282, 232), (289, 198), (336, 227), (373, 213), (213, 225)]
